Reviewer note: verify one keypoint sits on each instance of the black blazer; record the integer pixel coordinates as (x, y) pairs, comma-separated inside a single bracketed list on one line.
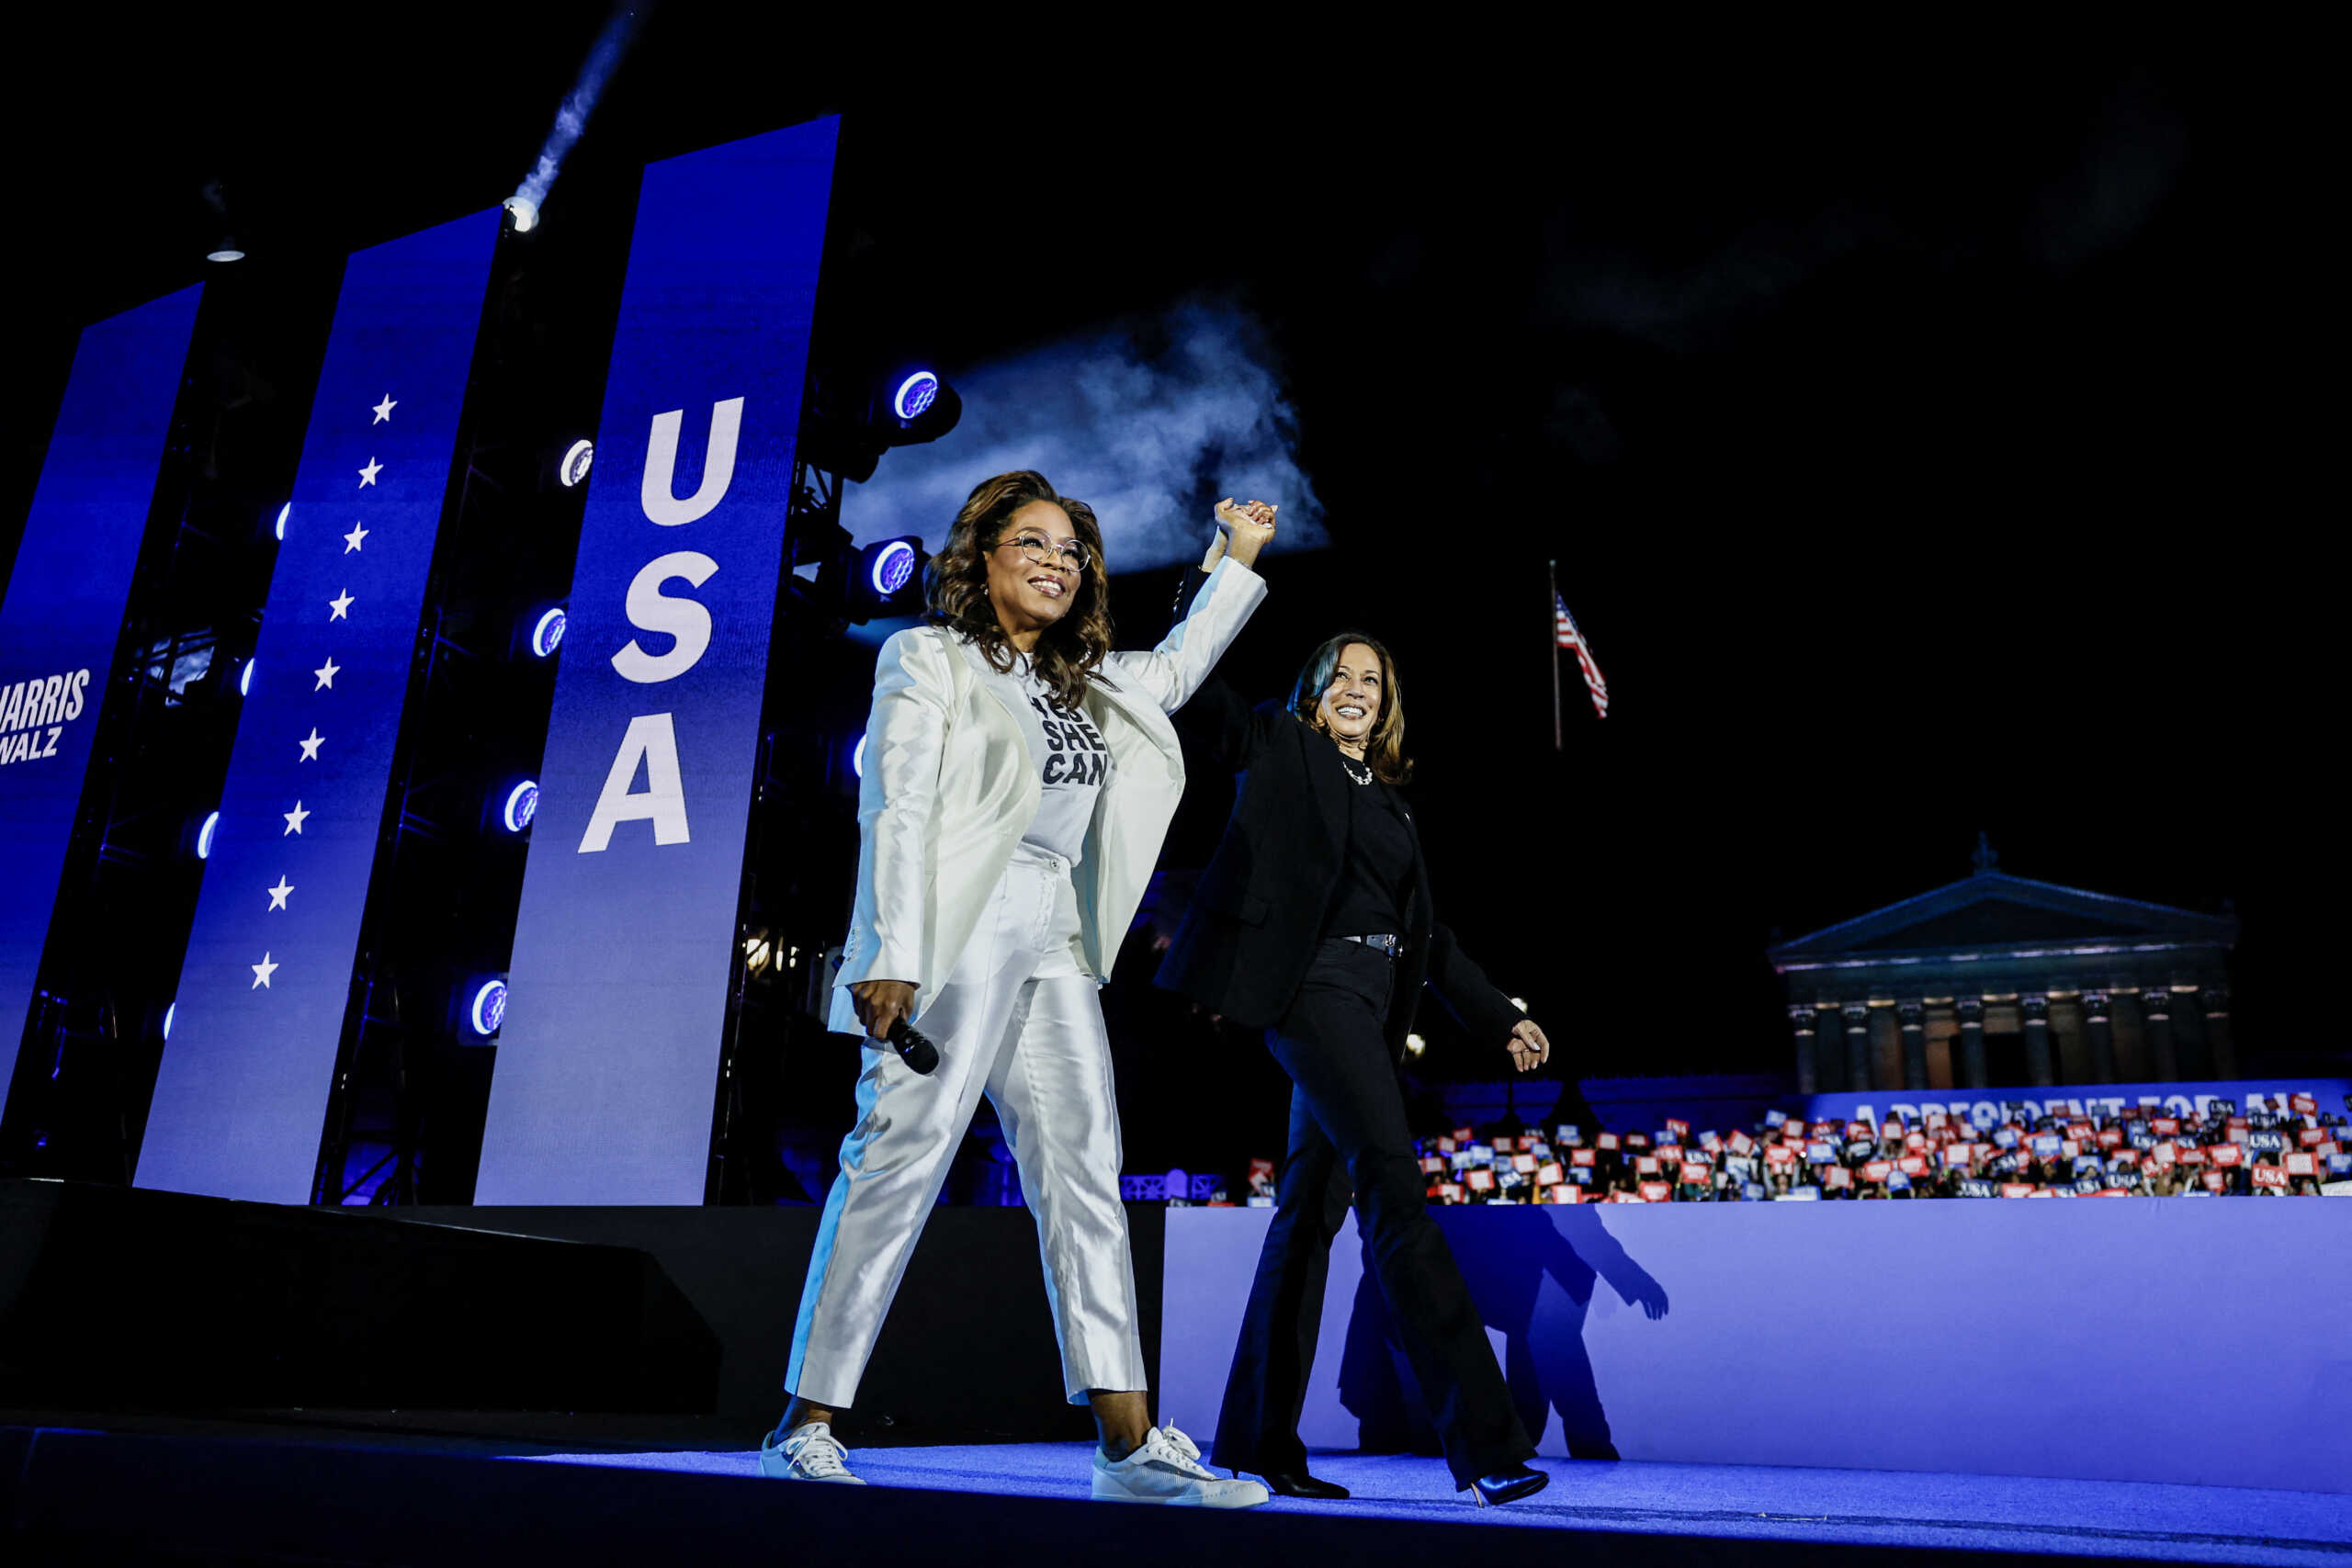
[(1257, 915)]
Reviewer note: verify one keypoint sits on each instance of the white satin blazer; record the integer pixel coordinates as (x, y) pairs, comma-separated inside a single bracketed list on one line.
[(950, 787)]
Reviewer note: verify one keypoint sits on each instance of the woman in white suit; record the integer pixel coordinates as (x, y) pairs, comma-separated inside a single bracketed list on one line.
[(1019, 778)]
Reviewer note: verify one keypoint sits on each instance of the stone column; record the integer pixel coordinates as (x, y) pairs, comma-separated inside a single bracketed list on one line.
[(1858, 1046), (2189, 1036), (1829, 1048), (2132, 1063), (2101, 1035), (2038, 1065), (2217, 1031), (1971, 1042), (2066, 1033), (1912, 1017), (2155, 1006), (1801, 1025)]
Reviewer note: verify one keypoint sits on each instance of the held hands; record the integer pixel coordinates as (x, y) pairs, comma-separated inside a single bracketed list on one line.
[(1528, 1048), (1242, 531), (881, 1003)]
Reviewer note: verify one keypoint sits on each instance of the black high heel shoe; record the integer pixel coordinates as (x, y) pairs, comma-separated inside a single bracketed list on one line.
[(1298, 1483), (1507, 1485)]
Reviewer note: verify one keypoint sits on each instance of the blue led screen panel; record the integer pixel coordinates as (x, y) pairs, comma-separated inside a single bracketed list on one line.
[(63, 611), (241, 1097), (609, 1057)]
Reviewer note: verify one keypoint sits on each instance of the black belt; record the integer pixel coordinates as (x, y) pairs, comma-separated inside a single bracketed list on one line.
[(1385, 943)]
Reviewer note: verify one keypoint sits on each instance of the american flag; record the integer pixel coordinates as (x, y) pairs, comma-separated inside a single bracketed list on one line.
[(1564, 634)]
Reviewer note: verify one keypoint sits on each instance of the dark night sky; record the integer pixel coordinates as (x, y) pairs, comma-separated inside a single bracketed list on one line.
[(1909, 416)]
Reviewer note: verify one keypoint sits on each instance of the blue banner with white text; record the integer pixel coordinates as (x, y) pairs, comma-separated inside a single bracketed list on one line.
[(608, 1061), (1987, 1107), (241, 1097), (62, 612)]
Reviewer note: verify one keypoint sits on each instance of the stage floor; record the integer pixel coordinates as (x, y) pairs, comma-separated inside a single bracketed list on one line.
[(1855, 1507)]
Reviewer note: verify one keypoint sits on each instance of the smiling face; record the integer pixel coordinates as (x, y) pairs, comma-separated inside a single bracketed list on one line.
[(1352, 698), (1029, 596)]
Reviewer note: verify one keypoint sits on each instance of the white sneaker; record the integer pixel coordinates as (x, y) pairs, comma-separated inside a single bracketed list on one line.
[(1166, 1469), (806, 1453)]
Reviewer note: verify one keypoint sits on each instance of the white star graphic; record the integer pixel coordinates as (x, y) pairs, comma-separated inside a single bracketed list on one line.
[(384, 409), (340, 603), (367, 475), (262, 972), (309, 745), (351, 540), (327, 673), (277, 894), (294, 820)]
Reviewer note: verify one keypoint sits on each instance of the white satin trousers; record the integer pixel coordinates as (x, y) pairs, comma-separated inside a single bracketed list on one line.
[(1019, 1021)]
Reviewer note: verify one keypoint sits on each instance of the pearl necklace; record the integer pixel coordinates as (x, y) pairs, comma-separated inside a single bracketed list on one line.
[(1360, 772)]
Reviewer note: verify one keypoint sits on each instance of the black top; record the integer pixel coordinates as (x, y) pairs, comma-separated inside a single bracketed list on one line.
[(1377, 870), (1257, 916)]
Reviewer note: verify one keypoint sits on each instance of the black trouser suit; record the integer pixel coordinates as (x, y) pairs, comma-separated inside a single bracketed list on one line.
[(1348, 1134)]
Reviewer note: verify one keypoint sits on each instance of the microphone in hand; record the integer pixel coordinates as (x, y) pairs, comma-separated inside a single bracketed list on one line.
[(914, 1046)]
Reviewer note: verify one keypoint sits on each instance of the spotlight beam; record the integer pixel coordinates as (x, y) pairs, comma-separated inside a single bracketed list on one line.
[(572, 118)]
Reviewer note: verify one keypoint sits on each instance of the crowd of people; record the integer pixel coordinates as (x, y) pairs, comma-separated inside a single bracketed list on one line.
[(2279, 1146)]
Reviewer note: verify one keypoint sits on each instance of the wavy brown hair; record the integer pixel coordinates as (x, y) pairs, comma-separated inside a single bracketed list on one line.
[(1070, 651), (1383, 749)]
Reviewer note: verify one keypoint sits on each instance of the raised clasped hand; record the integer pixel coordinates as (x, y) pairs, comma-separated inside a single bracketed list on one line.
[(1529, 1049), (1245, 528)]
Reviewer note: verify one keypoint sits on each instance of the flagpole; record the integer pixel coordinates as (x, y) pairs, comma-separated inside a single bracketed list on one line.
[(1552, 576)]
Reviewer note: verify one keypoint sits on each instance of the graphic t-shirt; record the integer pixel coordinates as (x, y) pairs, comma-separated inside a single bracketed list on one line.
[(1073, 760)]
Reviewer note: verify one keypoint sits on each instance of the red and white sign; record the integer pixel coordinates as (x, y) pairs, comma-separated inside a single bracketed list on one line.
[(2215, 1181), (1568, 1192), (2192, 1154), (1646, 1165), (1877, 1170), (1549, 1175), (1523, 1164), (2300, 1163), (1606, 1141), (2164, 1126), (1780, 1154), (1700, 1175), (1481, 1179), (2307, 1104), (2226, 1155), (1834, 1177), (1465, 1134), (1447, 1146), (1449, 1192), (1657, 1192), (1680, 1130), (1912, 1165), (1741, 1143), (2310, 1137), (2017, 1190), (2269, 1176), (1432, 1164), (1581, 1157)]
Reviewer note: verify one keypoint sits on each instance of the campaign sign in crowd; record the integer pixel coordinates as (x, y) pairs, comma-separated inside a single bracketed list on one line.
[(2274, 1146)]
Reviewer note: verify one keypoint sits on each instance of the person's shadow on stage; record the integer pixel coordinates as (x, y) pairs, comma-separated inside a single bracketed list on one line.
[(1545, 1361)]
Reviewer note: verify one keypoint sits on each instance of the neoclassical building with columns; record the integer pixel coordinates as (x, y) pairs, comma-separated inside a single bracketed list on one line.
[(1999, 981)]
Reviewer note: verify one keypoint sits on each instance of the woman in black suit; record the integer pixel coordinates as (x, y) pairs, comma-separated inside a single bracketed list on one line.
[(1314, 922)]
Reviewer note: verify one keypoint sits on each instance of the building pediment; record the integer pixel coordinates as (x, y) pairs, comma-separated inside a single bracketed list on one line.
[(1993, 911)]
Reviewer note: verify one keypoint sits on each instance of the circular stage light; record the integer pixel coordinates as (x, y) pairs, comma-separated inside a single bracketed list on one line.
[(892, 567), (204, 837), (245, 680), (522, 804), (857, 758), (167, 1019), (281, 518), (225, 254), (524, 211), (576, 458), (488, 1010), (915, 394), (547, 636)]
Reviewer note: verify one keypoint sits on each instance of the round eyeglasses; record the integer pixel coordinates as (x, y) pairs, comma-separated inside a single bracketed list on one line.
[(1071, 554)]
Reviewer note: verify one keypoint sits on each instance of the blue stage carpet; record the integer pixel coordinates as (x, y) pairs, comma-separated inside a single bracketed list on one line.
[(1863, 1507)]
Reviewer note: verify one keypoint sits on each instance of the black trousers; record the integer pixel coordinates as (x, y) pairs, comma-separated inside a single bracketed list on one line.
[(1347, 1135)]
